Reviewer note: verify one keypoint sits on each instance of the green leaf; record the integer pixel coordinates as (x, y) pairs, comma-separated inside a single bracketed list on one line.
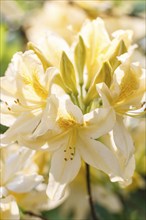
[(3, 129), (80, 56)]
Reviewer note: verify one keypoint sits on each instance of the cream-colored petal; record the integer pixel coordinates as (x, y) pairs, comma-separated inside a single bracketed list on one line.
[(99, 156), (7, 94), (24, 183), (122, 141), (74, 111), (61, 173), (16, 162), (7, 119), (48, 118), (126, 163), (25, 124), (98, 122), (52, 46), (104, 93)]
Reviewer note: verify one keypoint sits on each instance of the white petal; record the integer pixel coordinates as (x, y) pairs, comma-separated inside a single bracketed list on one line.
[(61, 173), (25, 124), (74, 111), (99, 156), (7, 94), (128, 172), (68, 109), (52, 46), (105, 94), (99, 122), (24, 183), (122, 139), (95, 36), (16, 162), (7, 119), (49, 116)]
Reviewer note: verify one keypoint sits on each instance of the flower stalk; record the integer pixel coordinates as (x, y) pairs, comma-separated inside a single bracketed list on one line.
[(90, 198), (35, 215)]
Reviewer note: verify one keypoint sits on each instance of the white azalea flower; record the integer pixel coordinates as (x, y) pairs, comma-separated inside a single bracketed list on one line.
[(18, 173), (24, 92), (124, 95), (60, 17), (100, 48), (73, 139)]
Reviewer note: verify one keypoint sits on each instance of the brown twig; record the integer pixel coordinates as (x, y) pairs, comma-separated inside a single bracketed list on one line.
[(88, 182), (35, 215)]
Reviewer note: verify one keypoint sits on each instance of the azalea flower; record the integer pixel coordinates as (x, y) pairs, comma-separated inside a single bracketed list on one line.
[(92, 58), (60, 17), (71, 121), (18, 175), (127, 90), (124, 96), (23, 104), (73, 139)]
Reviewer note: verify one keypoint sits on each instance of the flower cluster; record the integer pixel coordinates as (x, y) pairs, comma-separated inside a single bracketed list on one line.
[(70, 102)]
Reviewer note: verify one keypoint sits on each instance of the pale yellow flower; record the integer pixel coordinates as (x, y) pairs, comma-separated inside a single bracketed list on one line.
[(100, 48), (18, 172), (72, 138), (60, 17), (18, 175), (124, 96), (127, 89), (25, 89)]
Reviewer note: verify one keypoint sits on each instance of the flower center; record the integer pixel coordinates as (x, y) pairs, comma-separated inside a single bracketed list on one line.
[(128, 86), (66, 123), (69, 125), (69, 151), (34, 82)]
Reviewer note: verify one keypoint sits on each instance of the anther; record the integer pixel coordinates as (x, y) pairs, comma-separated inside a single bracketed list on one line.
[(71, 158), (70, 147), (65, 159), (64, 150), (72, 154), (15, 101), (6, 103), (9, 108)]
